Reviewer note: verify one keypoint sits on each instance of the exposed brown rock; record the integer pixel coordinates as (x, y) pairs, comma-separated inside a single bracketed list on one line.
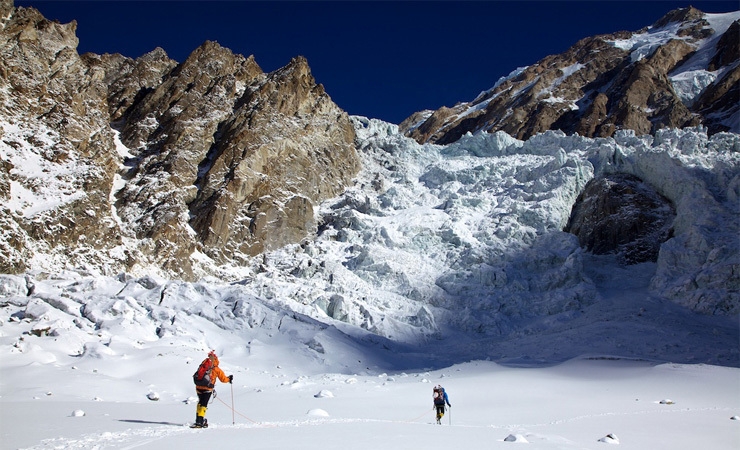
[(242, 154), (689, 14), (594, 117), (721, 99), (594, 89), (311, 157), (620, 214), (224, 159), (47, 86), (128, 79)]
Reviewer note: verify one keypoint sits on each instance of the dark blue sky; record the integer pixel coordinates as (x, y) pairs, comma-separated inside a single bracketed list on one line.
[(381, 59)]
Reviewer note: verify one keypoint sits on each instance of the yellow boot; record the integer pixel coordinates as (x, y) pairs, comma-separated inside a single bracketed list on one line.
[(200, 417)]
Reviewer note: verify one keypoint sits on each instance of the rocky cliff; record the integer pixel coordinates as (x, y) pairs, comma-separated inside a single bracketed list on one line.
[(210, 156), (621, 214), (682, 71)]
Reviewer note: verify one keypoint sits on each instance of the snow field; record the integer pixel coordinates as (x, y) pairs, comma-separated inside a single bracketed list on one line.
[(566, 406)]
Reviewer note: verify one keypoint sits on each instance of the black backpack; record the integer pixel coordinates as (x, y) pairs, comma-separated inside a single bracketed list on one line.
[(439, 395), (202, 376)]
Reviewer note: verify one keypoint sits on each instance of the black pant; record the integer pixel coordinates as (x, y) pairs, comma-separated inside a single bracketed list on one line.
[(204, 397), (440, 408)]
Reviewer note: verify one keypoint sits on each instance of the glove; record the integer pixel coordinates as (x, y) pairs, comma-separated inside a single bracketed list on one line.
[(231, 378)]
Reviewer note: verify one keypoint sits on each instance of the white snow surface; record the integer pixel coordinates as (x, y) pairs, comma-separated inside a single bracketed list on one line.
[(88, 386), (442, 265)]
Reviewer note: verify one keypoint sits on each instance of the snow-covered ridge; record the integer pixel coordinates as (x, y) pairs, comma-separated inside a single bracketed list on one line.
[(691, 77), (642, 45), (673, 74)]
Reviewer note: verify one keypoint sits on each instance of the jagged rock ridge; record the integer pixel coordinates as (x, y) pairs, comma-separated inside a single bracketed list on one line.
[(679, 72), (220, 158), (56, 108)]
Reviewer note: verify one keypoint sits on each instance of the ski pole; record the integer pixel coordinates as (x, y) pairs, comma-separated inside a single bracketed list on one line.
[(233, 421), (450, 409)]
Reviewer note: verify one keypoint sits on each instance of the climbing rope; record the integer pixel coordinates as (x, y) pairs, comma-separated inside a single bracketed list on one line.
[(420, 416), (237, 412)]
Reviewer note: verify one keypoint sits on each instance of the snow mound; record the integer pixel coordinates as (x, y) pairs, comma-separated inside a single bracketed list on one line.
[(667, 401), (324, 394), (153, 396), (96, 350), (78, 413), (317, 413), (610, 439), (518, 438)]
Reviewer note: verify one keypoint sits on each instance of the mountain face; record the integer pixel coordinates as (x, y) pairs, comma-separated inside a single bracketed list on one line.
[(57, 192), (682, 71), (212, 169), (211, 156)]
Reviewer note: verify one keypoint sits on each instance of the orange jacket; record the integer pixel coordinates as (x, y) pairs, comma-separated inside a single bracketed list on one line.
[(216, 372)]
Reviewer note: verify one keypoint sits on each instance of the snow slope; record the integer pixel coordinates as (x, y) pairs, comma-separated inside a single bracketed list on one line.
[(691, 77), (92, 388)]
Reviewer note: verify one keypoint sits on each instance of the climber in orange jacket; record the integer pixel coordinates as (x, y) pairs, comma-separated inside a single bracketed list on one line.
[(205, 379)]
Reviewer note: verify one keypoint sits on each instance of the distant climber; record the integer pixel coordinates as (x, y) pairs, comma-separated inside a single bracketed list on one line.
[(440, 399), (205, 379)]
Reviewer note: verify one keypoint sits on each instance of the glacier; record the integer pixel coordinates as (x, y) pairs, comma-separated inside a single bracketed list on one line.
[(443, 254)]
